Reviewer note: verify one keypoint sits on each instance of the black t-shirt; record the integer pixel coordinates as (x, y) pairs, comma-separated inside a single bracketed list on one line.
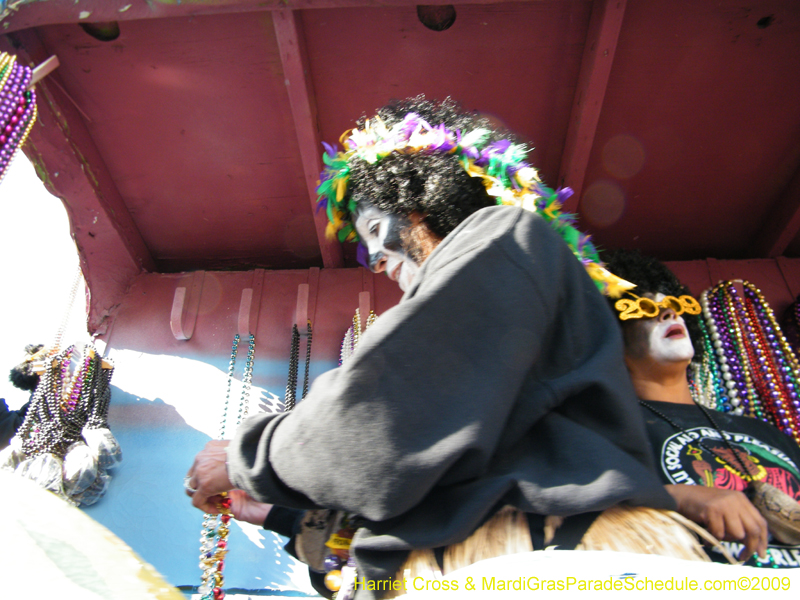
[(767, 453)]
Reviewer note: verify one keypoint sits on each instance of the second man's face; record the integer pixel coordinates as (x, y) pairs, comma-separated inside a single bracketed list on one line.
[(663, 338)]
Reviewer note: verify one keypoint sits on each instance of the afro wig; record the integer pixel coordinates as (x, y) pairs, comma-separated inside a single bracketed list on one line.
[(434, 185)]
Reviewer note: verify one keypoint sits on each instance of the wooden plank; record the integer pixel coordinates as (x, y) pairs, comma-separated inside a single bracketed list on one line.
[(714, 271), (71, 167), (35, 14), (598, 57), (692, 273), (299, 86)]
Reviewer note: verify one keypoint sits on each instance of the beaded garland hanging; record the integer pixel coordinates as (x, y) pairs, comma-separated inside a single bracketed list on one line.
[(214, 537), (17, 108), (294, 360), (353, 335), (64, 443), (748, 368)]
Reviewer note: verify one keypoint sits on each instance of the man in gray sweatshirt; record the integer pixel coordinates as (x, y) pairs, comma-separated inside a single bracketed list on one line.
[(497, 380)]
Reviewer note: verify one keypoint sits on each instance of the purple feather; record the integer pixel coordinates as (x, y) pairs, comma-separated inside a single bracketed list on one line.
[(498, 147), (323, 203), (471, 152), (362, 255), (513, 168), (330, 150), (564, 194), (409, 124)]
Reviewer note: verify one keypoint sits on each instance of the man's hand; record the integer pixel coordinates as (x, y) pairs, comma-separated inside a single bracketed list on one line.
[(247, 509), (208, 477), (726, 514)]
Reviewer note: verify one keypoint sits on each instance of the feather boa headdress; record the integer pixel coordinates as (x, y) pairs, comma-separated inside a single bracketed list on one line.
[(500, 164)]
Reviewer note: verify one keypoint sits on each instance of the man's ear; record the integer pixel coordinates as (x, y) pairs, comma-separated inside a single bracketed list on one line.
[(420, 241), (416, 217)]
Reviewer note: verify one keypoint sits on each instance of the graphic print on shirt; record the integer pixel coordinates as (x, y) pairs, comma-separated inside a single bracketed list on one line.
[(702, 457), (685, 460)]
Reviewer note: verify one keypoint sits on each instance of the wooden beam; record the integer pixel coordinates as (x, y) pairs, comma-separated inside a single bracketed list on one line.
[(300, 87), (111, 249), (598, 56), (35, 14), (783, 224)]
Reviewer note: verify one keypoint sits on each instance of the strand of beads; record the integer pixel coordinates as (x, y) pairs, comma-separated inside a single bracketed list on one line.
[(743, 330), (294, 363), (762, 371), (73, 292), (309, 335), (348, 345), (733, 309), (705, 377), (72, 386), (247, 381), (294, 360), (231, 366), (779, 367), (214, 537), (723, 377), (61, 404), (17, 108), (213, 548)]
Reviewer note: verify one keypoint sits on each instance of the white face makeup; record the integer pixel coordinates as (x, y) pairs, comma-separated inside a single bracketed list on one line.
[(664, 338), (380, 232)]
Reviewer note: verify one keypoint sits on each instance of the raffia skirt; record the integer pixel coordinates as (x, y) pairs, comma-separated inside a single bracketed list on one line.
[(621, 529)]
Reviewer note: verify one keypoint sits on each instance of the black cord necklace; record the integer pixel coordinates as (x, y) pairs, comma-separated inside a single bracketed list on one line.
[(294, 360)]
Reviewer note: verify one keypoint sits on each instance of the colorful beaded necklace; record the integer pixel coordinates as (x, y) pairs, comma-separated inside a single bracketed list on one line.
[(214, 537), (17, 108), (68, 417), (61, 404), (353, 335), (752, 370)]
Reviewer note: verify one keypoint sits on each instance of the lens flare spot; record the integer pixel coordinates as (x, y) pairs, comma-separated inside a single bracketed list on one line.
[(623, 156), (603, 203)]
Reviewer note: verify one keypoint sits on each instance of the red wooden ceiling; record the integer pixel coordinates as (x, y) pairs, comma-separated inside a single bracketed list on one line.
[(194, 136)]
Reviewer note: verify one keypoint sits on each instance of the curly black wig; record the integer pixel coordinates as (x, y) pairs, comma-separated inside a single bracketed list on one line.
[(22, 376), (652, 276), (434, 185)]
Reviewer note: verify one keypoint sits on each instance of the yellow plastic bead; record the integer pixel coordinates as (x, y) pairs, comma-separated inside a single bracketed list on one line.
[(333, 580)]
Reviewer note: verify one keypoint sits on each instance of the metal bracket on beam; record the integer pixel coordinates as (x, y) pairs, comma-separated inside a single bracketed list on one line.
[(185, 305), (301, 316), (250, 305)]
